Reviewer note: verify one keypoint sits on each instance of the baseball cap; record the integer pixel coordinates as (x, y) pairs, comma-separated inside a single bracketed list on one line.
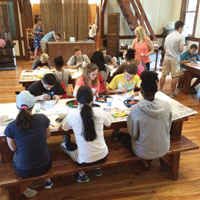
[(25, 99)]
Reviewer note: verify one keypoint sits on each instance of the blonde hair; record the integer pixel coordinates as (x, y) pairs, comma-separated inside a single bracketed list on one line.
[(141, 31), (44, 56), (86, 71)]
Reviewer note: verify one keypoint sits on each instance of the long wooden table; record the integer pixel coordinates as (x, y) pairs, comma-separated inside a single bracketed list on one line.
[(28, 77), (190, 71), (179, 111)]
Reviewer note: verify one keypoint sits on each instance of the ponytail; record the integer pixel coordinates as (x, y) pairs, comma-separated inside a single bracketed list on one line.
[(89, 132), (24, 119)]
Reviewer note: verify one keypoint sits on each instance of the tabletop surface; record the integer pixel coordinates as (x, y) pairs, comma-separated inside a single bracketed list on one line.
[(118, 108), (35, 75)]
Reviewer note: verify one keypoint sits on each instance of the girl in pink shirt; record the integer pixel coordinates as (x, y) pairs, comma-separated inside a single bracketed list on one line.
[(89, 78), (143, 46)]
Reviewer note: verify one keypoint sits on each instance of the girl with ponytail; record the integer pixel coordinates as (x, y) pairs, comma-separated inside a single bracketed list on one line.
[(27, 137), (87, 124)]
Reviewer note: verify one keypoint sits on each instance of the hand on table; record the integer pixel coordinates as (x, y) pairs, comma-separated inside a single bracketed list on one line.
[(122, 90), (38, 68), (45, 67), (78, 64), (56, 97), (45, 97), (193, 59)]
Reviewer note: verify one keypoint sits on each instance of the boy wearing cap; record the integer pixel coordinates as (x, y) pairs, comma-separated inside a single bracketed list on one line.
[(26, 136), (47, 88)]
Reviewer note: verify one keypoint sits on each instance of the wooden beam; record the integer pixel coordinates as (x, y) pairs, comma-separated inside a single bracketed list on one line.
[(140, 17), (145, 19), (102, 16)]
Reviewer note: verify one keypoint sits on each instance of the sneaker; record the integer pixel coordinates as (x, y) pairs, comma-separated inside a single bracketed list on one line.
[(97, 172), (81, 179), (192, 90), (68, 146), (172, 95), (114, 134), (29, 193), (48, 185)]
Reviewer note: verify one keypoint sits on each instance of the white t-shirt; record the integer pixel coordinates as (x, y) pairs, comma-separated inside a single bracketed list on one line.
[(172, 45), (74, 60), (88, 152)]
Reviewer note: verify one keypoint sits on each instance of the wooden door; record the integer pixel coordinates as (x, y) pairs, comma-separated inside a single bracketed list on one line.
[(113, 34)]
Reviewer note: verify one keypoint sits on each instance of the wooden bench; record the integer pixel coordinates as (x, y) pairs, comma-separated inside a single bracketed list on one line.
[(63, 165)]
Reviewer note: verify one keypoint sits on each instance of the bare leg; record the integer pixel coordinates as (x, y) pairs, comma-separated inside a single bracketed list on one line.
[(173, 84), (35, 52), (162, 82)]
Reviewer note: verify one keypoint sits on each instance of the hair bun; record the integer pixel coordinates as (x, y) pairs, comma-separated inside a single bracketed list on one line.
[(60, 57)]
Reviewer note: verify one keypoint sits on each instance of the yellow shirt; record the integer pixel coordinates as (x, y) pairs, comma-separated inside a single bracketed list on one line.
[(120, 82)]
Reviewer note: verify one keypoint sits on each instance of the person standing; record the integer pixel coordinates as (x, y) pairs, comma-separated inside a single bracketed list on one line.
[(51, 36), (143, 46), (174, 45), (38, 34)]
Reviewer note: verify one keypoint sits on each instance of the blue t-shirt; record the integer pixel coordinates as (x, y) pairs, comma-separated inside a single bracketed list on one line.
[(187, 56), (48, 37), (32, 149)]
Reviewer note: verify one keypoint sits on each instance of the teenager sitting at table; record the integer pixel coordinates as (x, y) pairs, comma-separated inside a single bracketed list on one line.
[(130, 58), (104, 51), (98, 60), (43, 62), (87, 124), (148, 123), (126, 82), (47, 88), (27, 136), (78, 59), (189, 56), (92, 78), (63, 75)]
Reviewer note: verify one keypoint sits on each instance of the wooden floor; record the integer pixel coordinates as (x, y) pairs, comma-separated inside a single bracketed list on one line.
[(125, 182)]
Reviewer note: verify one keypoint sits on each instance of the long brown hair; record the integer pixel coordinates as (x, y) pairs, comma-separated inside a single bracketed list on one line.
[(24, 119), (86, 71)]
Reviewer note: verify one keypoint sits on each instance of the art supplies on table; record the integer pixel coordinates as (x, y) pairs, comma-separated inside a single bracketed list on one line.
[(130, 102), (103, 98)]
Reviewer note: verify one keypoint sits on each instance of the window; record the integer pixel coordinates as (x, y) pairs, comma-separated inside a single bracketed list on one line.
[(189, 14)]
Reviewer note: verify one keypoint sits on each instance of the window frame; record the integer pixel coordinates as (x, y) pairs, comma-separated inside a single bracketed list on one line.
[(184, 11)]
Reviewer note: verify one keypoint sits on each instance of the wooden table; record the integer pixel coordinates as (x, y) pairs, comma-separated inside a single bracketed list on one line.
[(26, 82), (64, 49), (179, 111), (190, 71)]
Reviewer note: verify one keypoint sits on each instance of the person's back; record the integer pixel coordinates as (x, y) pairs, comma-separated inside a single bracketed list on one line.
[(32, 151), (89, 151), (152, 120), (172, 45), (148, 123)]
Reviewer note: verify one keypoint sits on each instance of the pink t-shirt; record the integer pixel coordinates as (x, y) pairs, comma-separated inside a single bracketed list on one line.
[(80, 82), (142, 48)]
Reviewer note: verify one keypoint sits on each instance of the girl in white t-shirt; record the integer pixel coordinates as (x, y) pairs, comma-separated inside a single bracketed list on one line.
[(87, 124)]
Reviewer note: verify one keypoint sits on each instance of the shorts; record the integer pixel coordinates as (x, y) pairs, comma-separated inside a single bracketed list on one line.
[(44, 46), (172, 66)]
